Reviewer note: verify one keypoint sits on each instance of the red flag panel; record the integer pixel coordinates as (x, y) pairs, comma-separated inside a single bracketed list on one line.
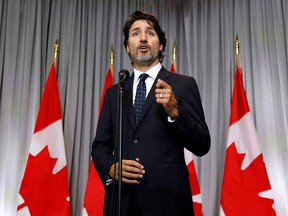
[(246, 188), (173, 68), (95, 191), (44, 189)]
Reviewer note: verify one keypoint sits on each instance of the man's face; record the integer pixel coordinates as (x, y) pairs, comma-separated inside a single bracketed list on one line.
[(143, 44)]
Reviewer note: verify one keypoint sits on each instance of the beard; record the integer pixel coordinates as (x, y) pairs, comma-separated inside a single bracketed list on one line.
[(143, 58)]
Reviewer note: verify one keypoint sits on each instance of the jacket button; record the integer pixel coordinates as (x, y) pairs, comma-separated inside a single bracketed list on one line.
[(135, 141)]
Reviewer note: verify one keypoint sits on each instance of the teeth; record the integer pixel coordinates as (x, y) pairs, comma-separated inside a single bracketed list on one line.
[(143, 47)]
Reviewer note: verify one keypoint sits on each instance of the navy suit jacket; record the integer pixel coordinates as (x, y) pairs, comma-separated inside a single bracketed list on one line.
[(158, 143)]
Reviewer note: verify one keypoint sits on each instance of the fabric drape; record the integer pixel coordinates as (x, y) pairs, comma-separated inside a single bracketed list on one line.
[(204, 32)]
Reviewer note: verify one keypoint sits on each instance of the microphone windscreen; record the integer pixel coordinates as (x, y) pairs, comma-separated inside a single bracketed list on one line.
[(123, 74)]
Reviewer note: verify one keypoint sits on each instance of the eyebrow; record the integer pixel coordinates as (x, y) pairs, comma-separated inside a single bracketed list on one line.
[(147, 28)]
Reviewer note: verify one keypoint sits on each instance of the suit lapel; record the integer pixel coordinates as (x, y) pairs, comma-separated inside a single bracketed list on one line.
[(128, 100), (150, 100)]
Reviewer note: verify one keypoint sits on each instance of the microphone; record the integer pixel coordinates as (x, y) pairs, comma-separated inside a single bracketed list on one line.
[(123, 75)]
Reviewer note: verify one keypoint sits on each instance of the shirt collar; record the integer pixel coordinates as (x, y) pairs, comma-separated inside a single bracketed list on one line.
[(152, 72)]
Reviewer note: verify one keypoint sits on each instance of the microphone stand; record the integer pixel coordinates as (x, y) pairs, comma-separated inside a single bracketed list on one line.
[(123, 74)]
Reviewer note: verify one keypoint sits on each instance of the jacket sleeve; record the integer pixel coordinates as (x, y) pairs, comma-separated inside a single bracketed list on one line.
[(191, 127), (102, 147)]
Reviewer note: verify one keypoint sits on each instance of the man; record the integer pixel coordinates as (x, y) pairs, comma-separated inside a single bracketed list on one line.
[(154, 174)]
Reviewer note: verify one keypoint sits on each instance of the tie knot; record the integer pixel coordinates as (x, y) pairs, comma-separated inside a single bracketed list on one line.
[(143, 77)]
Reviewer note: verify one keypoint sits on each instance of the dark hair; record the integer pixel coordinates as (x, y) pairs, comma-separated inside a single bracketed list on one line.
[(152, 21)]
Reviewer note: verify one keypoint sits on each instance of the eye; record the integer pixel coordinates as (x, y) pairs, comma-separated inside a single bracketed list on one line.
[(134, 34), (151, 33)]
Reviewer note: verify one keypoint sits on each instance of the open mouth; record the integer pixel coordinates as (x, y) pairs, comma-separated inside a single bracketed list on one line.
[(143, 48)]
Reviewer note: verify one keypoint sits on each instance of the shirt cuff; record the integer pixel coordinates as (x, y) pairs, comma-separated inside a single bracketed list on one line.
[(108, 181), (170, 119)]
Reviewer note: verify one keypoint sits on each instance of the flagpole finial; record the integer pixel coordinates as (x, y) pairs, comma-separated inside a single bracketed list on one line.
[(112, 60), (237, 44), (56, 51), (237, 48), (111, 55), (174, 50)]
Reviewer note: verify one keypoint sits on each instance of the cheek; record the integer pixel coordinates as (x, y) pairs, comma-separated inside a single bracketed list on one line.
[(130, 46)]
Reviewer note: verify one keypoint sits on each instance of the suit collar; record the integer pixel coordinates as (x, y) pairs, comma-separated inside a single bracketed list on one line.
[(150, 100)]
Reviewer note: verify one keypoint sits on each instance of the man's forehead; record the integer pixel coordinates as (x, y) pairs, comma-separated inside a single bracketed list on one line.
[(138, 23)]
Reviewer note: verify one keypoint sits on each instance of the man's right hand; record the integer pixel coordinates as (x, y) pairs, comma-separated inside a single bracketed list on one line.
[(132, 171)]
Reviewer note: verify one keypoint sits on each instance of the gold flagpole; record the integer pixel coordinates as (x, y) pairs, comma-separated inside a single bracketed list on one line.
[(112, 60), (56, 51), (237, 49), (174, 50)]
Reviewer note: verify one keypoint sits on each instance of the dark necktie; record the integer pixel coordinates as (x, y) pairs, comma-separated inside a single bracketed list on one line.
[(140, 97)]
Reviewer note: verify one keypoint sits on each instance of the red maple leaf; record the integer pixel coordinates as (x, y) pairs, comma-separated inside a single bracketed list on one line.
[(241, 188), (43, 192)]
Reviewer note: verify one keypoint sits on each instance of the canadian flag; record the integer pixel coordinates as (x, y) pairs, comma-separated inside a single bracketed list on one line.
[(245, 188), (194, 184), (95, 192), (173, 67), (44, 189)]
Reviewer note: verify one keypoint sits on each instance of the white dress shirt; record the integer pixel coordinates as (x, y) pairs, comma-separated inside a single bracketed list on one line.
[(152, 74)]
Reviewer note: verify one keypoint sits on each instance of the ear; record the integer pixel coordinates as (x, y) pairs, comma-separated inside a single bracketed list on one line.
[(161, 47)]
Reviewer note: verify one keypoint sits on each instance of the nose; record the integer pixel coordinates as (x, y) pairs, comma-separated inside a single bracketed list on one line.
[(143, 37)]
